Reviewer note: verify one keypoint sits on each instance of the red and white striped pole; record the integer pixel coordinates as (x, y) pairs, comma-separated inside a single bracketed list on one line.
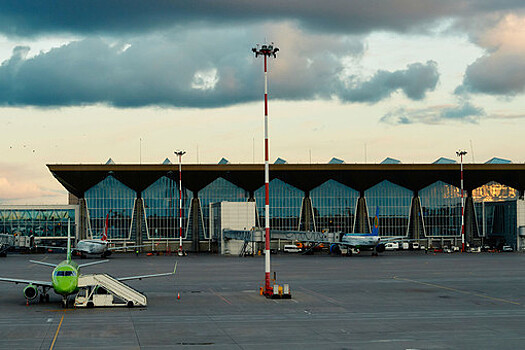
[(266, 51), (460, 154), (180, 154)]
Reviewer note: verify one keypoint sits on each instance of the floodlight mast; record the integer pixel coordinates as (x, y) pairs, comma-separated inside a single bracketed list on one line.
[(266, 51), (460, 154), (180, 154)]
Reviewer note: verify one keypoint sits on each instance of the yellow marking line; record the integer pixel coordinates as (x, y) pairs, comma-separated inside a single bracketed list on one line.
[(220, 296), (56, 333), (457, 290)]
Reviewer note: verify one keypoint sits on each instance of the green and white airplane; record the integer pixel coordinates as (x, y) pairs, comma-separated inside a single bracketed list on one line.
[(64, 278)]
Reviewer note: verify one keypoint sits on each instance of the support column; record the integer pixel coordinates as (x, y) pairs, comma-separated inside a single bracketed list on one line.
[(138, 219), (83, 224), (470, 219), (362, 223), (196, 223), (306, 215), (415, 231)]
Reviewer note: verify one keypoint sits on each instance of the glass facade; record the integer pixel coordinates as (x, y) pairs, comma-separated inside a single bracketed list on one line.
[(394, 204), (219, 190), (161, 209), (42, 222), (441, 207), (334, 207), (493, 203), (112, 197), (498, 222), (285, 205)]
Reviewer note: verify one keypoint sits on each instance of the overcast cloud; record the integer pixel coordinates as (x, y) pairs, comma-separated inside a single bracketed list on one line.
[(202, 68), (33, 17)]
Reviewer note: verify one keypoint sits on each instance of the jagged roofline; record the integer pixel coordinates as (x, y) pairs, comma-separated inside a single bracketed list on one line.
[(77, 178)]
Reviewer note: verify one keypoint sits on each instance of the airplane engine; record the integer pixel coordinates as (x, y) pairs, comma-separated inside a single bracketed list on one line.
[(335, 249), (30, 292)]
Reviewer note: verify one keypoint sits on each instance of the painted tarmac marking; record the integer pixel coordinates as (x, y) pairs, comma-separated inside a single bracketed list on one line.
[(56, 333), (322, 296), (220, 296), (457, 290)]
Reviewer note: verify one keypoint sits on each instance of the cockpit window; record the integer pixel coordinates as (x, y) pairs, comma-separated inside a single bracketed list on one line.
[(65, 273)]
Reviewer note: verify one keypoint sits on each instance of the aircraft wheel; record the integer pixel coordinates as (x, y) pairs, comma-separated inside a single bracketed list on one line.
[(41, 298), (47, 298)]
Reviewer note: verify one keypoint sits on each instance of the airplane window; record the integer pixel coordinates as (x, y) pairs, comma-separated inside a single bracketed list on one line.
[(59, 273)]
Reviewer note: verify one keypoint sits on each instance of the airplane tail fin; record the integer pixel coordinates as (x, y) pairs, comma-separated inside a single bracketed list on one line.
[(69, 240), (106, 225), (375, 229)]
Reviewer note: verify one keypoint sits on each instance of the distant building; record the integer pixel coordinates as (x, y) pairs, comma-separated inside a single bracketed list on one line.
[(418, 201)]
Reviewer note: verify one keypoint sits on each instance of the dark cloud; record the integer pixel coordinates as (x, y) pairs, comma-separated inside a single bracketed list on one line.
[(464, 112), (495, 74), (415, 82), (34, 17), (501, 71), (206, 68)]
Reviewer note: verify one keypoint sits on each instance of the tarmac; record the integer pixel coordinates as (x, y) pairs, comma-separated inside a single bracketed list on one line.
[(398, 300)]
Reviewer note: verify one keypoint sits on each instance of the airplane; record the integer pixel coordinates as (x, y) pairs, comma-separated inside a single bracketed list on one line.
[(64, 278), (362, 241), (96, 246)]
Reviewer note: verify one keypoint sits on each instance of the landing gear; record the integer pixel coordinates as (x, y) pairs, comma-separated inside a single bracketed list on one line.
[(44, 296), (65, 302)]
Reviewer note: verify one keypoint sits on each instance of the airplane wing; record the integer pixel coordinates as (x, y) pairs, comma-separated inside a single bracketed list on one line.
[(129, 246), (393, 239), (43, 263), (50, 247), (36, 283), (148, 276), (93, 263)]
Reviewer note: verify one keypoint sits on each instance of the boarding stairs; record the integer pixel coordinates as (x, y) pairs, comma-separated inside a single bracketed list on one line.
[(104, 290)]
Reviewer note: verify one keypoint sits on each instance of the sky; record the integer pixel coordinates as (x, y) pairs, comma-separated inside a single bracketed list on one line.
[(87, 80)]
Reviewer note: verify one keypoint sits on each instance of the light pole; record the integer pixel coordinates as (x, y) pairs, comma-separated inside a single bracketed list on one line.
[(460, 154), (180, 154), (266, 51)]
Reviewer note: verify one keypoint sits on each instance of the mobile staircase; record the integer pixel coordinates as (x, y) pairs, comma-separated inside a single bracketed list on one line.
[(103, 290)]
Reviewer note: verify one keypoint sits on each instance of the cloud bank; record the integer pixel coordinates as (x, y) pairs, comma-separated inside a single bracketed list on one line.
[(204, 68), (501, 71), (464, 112), (35, 17)]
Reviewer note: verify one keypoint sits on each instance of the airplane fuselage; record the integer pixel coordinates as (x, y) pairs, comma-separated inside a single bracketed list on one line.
[(92, 246), (65, 278), (361, 241)]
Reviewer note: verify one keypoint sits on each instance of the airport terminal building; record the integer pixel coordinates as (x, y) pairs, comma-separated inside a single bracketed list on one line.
[(417, 201)]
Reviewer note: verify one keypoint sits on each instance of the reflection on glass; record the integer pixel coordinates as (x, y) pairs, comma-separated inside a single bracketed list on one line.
[(334, 206), (285, 205), (219, 190), (112, 197), (441, 207), (494, 192), (37, 222), (161, 208), (394, 207)]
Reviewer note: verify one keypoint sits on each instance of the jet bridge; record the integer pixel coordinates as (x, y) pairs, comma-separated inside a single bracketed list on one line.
[(103, 290)]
